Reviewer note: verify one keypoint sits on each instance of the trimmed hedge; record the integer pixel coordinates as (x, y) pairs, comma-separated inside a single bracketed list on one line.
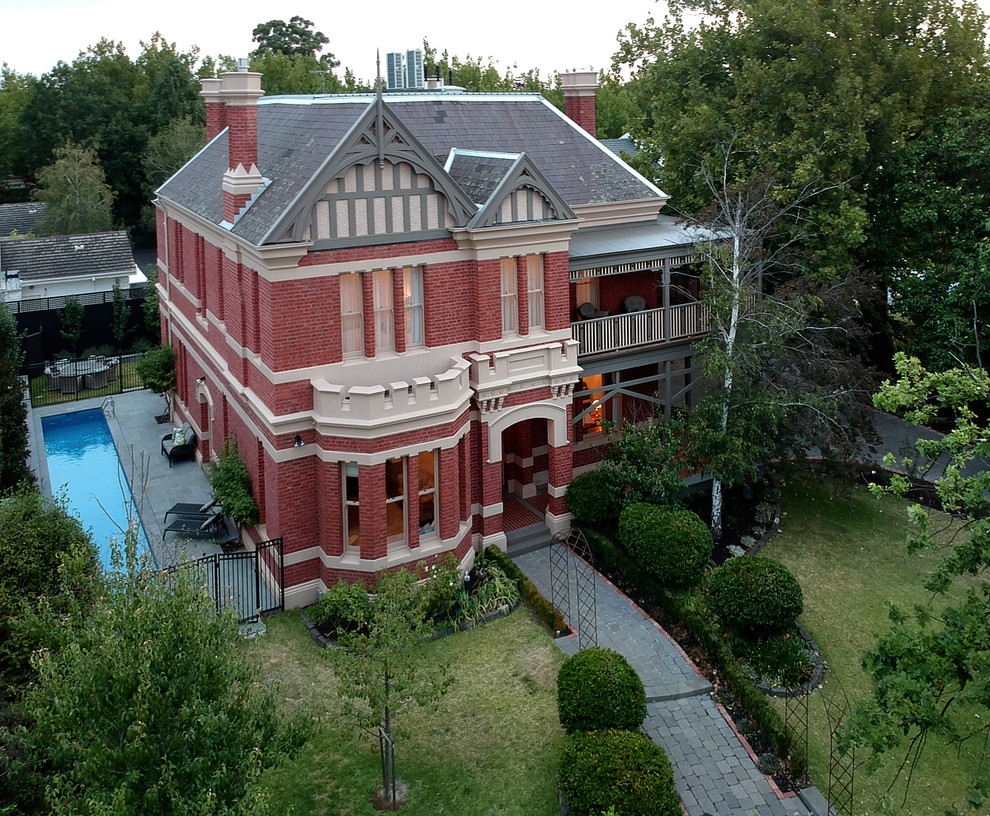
[(617, 769), (673, 545), (596, 689), (595, 498), (755, 596)]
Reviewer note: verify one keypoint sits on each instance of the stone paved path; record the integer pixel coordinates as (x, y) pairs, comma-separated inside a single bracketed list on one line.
[(714, 774)]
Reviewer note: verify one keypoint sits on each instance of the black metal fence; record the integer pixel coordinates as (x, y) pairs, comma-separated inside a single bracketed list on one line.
[(101, 375), (248, 582)]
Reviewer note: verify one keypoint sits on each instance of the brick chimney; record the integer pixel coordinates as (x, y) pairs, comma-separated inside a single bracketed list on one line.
[(216, 114), (238, 92), (579, 97)]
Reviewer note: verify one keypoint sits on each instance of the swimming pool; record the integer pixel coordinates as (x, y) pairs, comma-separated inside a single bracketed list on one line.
[(83, 459)]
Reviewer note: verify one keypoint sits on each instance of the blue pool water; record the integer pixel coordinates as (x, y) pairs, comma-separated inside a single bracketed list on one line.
[(83, 459)]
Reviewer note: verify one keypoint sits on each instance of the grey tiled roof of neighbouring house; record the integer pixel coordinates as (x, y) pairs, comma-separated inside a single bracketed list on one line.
[(620, 146), (68, 256), (21, 218), (297, 135), (479, 175)]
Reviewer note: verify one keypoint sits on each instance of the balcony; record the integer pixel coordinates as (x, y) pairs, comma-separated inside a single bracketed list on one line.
[(625, 331)]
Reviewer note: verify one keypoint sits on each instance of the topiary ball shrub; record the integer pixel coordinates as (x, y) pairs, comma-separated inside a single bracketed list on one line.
[(755, 596), (673, 545), (617, 769), (595, 498), (597, 688)]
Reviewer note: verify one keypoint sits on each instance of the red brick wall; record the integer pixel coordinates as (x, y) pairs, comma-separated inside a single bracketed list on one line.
[(371, 494), (370, 253)]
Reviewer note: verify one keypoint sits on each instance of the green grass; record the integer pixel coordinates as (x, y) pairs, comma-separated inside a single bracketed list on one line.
[(127, 379), (846, 549), (489, 746)]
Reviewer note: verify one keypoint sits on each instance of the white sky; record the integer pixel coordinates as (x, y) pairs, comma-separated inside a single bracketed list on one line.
[(550, 36)]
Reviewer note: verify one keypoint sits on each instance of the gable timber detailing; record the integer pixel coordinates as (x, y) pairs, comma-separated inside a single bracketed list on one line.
[(373, 199), (356, 162)]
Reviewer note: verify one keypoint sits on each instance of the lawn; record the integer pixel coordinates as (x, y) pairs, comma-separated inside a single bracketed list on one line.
[(491, 745), (846, 549)]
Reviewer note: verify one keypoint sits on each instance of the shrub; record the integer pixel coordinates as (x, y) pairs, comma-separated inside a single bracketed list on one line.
[(231, 484), (623, 770), (595, 498), (597, 688), (779, 660), (343, 607), (755, 596), (543, 609), (671, 544)]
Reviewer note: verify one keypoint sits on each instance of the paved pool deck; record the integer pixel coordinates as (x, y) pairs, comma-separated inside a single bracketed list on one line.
[(137, 435)]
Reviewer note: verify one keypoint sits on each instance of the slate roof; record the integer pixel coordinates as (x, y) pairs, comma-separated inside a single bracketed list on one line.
[(478, 176), (620, 146), (298, 134), (68, 256), (20, 217)]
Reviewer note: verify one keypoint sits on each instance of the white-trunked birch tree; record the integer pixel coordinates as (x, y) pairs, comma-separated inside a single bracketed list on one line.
[(781, 362)]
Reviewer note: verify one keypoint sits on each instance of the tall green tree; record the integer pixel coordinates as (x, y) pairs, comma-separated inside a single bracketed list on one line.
[(75, 189), (13, 409), (145, 702), (930, 209), (121, 317), (813, 91), (15, 93), (156, 368), (382, 667), (930, 674), (294, 38)]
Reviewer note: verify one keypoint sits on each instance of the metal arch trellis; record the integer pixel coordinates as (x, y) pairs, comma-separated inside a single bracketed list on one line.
[(796, 722), (568, 547), (841, 768)]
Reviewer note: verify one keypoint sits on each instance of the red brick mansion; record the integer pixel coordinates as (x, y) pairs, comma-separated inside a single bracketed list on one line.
[(414, 313)]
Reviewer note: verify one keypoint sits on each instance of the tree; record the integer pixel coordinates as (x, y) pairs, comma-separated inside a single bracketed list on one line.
[(166, 152), (47, 554), (145, 703), (13, 410), (70, 321), (382, 666), (931, 673), (930, 209), (156, 368), (149, 308), (76, 191), (15, 93), (294, 38), (641, 458), (821, 91), (782, 354), (121, 316)]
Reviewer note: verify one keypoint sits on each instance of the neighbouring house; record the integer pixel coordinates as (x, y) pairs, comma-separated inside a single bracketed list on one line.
[(415, 312), (20, 219), (49, 269)]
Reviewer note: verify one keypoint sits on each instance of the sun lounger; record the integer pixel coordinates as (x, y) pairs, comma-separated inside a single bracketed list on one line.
[(196, 528), (193, 510)]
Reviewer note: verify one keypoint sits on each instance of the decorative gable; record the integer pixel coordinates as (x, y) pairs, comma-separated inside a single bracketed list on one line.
[(507, 188), (378, 186)]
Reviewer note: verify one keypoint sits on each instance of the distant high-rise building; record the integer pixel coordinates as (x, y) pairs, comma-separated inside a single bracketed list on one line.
[(394, 78), (415, 75)]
